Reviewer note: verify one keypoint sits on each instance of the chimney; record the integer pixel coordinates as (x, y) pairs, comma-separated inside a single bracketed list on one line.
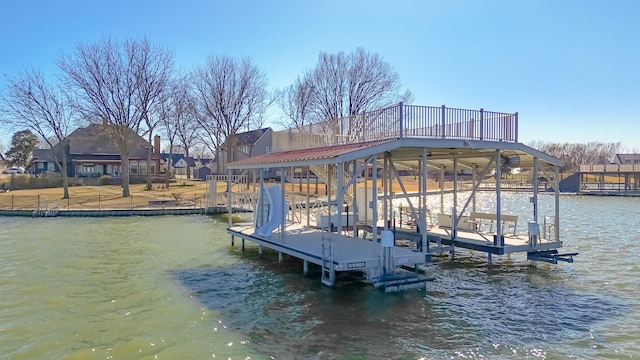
[(156, 144)]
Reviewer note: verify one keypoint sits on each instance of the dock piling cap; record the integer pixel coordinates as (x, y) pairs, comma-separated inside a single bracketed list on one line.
[(386, 238)]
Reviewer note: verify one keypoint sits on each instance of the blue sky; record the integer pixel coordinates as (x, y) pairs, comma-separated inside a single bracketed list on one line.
[(570, 68)]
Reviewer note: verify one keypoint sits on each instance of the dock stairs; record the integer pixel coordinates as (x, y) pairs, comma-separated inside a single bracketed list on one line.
[(47, 211), (323, 173)]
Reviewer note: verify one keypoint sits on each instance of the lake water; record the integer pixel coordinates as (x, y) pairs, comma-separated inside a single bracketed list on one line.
[(173, 288)]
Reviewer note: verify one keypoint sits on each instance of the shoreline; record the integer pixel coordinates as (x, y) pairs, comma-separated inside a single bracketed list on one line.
[(119, 212)]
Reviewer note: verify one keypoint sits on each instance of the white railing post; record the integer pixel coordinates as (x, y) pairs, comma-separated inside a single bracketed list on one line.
[(401, 121), (481, 124), (443, 121), (516, 139)]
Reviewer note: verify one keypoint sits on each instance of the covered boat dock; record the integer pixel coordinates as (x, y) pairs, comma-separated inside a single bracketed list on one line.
[(362, 162)]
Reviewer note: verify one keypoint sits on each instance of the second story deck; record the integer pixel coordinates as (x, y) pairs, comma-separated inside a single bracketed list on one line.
[(400, 121)]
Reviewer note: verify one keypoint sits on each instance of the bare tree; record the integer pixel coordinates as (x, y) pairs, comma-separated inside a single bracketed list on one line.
[(32, 102), (180, 123), (153, 69), (573, 155), (117, 84), (168, 123), (296, 102), (346, 85), (230, 95), (340, 86), (188, 135)]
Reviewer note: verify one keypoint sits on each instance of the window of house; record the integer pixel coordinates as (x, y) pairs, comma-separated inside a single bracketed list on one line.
[(133, 167), (246, 149), (142, 165), (267, 149), (153, 168), (87, 169)]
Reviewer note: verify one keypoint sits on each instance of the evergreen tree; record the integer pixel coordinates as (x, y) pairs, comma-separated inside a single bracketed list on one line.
[(22, 145)]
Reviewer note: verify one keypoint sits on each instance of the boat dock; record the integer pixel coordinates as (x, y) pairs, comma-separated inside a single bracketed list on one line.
[(364, 166)]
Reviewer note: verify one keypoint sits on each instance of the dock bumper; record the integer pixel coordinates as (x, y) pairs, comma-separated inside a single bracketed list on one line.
[(397, 282), (550, 256)]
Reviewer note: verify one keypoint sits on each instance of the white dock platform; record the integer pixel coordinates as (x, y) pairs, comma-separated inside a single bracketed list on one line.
[(349, 253), (484, 242)]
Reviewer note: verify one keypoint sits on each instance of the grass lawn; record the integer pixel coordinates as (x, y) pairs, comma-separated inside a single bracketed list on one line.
[(187, 194)]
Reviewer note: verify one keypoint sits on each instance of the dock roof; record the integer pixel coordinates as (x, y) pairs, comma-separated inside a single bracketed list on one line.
[(406, 150)]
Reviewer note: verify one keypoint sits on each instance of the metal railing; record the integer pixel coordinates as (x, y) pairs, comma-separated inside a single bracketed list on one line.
[(612, 168), (400, 121), (104, 202)]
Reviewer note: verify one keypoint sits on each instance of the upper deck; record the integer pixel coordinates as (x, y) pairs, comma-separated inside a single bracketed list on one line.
[(400, 121)]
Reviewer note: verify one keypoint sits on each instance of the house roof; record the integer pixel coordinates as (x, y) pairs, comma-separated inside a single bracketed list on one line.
[(250, 137), (42, 155), (622, 158), (175, 158), (93, 140), (191, 162), (206, 161)]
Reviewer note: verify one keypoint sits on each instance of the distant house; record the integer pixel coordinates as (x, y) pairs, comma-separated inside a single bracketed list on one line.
[(183, 165), (199, 168), (42, 161), (626, 159), (247, 144), (164, 162), (90, 154)]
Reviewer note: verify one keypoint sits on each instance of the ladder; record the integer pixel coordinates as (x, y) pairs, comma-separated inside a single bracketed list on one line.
[(322, 173), (328, 271)]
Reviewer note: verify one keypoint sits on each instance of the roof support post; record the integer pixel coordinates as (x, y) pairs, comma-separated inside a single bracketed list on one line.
[(340, 195), (454, 210), (474, 176), (535, 189), (498, 239), (423, 201), (328, 187), (229, 206), (441, 189), (285, 210), (385, 190), (556, 188), (260, 202), (307, 207), (293, 188), (354, 200), (455, 185), (374, 199)]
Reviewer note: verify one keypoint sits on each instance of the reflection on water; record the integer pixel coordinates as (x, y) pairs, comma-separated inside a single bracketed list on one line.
[(172, 287)]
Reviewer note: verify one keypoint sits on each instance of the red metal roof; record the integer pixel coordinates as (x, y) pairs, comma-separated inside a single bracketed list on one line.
[(318, 153)]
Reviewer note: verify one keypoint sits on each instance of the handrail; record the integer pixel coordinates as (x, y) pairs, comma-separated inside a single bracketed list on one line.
[(399, 121), (612, 168)]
